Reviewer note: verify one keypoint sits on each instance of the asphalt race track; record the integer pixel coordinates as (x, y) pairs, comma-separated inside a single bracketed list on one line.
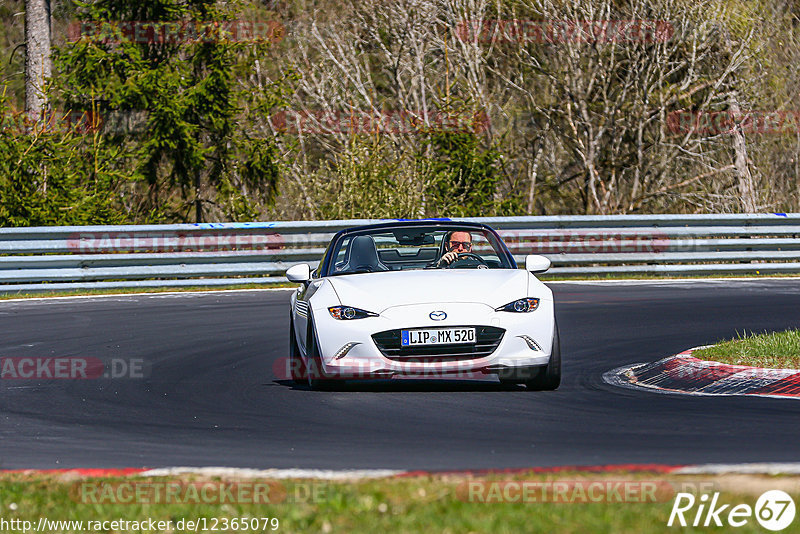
[(211, 398)]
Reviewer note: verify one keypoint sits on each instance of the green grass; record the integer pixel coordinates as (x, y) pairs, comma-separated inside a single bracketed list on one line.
[(433, 504), (779, 350)]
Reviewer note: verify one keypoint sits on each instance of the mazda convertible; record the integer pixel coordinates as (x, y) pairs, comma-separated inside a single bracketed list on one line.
[(427, 298)]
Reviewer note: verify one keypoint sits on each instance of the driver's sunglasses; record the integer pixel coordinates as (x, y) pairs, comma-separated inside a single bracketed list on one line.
[(466, 245)]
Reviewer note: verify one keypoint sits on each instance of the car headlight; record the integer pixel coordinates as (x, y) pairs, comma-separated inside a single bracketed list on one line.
[(345, 313), (520, 306)]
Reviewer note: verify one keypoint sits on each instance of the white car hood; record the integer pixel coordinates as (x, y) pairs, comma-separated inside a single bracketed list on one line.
[(376, 292)]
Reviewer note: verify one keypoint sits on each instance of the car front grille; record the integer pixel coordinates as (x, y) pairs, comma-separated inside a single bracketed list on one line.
[(487, 340)]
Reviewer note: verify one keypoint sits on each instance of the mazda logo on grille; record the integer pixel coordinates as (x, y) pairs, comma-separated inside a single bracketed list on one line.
[(438, 315)]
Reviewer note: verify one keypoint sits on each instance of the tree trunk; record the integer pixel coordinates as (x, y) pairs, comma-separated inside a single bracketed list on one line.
[(198, 202), (37, 57), (747, 190), (533, 172)]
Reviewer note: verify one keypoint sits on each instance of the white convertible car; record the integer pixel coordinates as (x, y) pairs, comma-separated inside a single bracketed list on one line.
[(428, 298)]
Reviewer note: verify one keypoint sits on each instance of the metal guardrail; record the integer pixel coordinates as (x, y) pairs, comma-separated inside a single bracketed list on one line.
[(224, 254)]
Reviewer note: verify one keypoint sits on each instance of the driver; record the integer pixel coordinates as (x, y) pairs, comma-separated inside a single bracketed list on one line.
[(456, 243)]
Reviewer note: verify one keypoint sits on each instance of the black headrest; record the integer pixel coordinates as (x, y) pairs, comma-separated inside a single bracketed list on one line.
[(362, 252)]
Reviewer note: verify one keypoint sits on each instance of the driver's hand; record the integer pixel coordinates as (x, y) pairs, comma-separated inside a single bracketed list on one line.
[(448, 258)]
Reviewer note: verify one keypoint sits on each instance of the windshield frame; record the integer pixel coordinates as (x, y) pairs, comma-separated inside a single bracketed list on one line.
[(327, 264)]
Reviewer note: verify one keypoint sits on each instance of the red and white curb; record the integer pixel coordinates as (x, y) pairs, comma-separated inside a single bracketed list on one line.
[(221, 472), (371, 474), (686, 374), (232, 472)]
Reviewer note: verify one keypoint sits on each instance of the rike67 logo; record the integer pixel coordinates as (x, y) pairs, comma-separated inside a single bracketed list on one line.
[(774, 510)]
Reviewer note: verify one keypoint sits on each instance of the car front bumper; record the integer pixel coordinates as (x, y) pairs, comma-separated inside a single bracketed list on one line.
[(348, 350)]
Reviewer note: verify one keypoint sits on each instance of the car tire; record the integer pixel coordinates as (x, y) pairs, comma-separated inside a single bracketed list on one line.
[(314, 370), (549, 376), (297, 367)]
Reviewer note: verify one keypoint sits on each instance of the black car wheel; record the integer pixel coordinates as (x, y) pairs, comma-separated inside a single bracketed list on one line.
[(549, 377), (297, 367), (316, 374)]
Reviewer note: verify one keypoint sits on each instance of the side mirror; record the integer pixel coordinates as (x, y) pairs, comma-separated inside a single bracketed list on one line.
[(299, 273), (536, 264)]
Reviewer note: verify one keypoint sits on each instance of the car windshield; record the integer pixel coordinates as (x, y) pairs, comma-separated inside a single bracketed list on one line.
[(413, 247)]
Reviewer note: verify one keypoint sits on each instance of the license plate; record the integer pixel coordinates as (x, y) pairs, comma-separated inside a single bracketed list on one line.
[(436, 336)]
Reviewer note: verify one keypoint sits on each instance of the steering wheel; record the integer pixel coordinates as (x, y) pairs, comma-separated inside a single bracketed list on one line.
[(467, 260)]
